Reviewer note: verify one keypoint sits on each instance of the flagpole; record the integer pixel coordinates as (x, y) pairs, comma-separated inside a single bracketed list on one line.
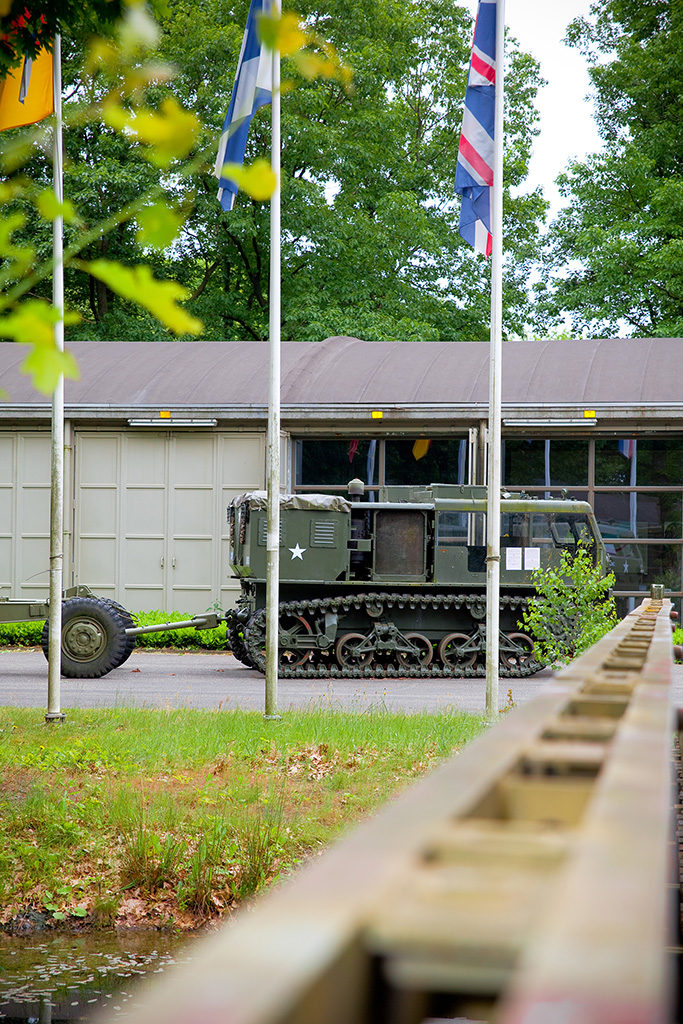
[(495, 386), (54, 666), (273, 439)]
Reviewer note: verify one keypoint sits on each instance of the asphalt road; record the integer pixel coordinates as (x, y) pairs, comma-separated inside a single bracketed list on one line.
[(219, 681), (170, 680)]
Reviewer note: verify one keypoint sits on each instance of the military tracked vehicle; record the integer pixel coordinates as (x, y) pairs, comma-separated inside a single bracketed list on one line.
[(396, 586)]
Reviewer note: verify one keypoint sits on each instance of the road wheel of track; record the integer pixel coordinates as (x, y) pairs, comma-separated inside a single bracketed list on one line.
[(455, 654), (348, 653), (516, 650), (423, 654), (94, 638), (291, 627)]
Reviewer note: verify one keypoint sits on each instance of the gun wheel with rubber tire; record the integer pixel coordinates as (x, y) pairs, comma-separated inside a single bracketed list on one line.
[(129, 622), (94, 638)]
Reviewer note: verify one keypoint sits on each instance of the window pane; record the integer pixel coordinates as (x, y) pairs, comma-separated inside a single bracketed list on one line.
[(444, 463), (532, 462), (632, 514), (646, 462), (636, 566), (514, 529), (461, 528), (334, 462), (451, 528)]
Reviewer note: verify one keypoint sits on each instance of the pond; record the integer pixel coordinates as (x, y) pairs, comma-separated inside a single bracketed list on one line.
[(67, 978)]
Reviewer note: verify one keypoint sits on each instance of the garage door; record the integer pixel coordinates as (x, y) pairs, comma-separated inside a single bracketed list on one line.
[(150, 521), (25, 514)]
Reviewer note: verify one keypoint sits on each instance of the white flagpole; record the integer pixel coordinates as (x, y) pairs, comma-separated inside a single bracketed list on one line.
[(54, 665), (495, 386), (273, 441)]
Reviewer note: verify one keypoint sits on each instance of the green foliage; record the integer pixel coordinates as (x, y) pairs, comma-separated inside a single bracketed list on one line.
[(208, 866), (370, 245), (615, 254), (109, 83), (130, 149), (259, 843), (138, 284), (572, 609), (21, 634), (148, 861)]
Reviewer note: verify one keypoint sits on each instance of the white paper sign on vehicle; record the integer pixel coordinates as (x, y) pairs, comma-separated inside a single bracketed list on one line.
[(513, 558)]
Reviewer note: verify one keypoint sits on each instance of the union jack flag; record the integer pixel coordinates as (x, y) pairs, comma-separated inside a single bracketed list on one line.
[(474, 171)]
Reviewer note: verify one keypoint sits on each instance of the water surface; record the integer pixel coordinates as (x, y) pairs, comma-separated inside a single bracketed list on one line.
[(67, 978)]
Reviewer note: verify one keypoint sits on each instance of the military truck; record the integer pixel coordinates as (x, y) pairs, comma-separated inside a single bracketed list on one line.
[(396, 586)]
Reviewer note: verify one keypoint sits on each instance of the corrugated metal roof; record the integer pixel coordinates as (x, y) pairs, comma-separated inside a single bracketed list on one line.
[(349, 371)]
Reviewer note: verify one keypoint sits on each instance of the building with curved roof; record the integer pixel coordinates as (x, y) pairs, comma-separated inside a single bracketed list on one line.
[(161, 435)]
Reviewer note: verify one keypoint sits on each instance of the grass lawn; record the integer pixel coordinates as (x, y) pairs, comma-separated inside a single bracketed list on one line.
[(170, 818)]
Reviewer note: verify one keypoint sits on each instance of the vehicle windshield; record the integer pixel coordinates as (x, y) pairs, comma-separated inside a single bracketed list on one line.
[(517, 529), (545, 529)]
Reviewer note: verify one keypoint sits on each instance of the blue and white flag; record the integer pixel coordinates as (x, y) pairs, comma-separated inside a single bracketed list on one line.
[(253, 89), (474, 171)]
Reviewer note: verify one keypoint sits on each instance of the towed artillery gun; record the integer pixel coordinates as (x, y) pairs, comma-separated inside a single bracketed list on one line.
[(98, 635), (395, 586)]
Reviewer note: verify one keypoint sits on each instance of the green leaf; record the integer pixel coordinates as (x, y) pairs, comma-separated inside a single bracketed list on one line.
[(284, 33), (59, 916), (49, 207), (79, 912), (138, 285), (257, 179), (18, 257), (158, 225), (32, 323), (169, 132)]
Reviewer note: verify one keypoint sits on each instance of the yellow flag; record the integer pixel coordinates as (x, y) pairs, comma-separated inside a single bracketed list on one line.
[(26, 93), (421, 447)]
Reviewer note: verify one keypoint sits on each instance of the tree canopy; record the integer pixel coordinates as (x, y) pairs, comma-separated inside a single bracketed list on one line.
[(370, 244), (615, 253), (369, 216)]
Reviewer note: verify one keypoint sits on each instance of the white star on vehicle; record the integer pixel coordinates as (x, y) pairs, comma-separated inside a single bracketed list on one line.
[(298, 552)]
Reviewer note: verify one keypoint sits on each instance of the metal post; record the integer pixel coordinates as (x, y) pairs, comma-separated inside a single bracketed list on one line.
[(495, 386), (273, 442), (54, 666)]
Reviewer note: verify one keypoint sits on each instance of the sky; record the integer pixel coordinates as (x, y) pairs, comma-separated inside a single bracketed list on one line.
[(567, 126)]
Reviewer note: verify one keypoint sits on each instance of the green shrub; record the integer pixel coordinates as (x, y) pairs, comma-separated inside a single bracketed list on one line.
[(21, 634), (572, 609)]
